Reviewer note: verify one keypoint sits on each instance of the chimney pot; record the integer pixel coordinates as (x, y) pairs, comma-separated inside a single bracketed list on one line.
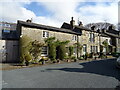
[(72, 22), (80, 23), (29, 20)]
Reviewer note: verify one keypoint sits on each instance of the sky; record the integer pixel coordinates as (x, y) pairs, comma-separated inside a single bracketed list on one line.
[(55, 12)]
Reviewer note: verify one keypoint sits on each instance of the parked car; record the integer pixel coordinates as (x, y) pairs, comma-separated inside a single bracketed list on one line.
[(118, 62)]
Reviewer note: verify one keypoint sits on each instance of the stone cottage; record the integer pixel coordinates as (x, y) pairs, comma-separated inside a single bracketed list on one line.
[(88, 38)]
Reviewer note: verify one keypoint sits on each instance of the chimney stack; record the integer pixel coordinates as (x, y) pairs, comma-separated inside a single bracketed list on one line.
[(93, 28), (72, 22), (29, 21), (80, 23)]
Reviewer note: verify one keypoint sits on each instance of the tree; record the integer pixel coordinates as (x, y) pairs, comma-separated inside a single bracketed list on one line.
[(35, 48), (71, 50), (52, 44), (24, 49), (79, 47), (105, 43), (61, 49), (52, 47)]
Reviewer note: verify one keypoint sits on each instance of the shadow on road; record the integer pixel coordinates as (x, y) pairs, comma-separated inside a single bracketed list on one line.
[(101, 67)]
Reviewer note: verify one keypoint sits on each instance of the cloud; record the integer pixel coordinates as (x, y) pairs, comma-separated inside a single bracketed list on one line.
[(10, 11), (87, 14), (100, 12), (62, 11)]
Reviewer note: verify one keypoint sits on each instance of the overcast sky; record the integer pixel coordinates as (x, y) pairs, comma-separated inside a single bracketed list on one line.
[(55, 12)]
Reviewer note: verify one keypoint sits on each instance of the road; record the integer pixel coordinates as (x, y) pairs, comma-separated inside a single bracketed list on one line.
[(94, 74)]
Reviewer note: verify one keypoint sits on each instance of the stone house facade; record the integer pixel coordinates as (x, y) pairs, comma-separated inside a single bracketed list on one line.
[(88, 38)]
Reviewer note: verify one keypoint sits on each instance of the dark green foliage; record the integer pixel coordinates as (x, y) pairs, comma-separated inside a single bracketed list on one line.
[(91, 55), (52, 47), (24, 48), (73, 57), (71, 49), (101, 48), (116, 54), (35, 48), (105, 43), (52, 44), (52, 51), (62, 52), (49, 40), (79, 47)]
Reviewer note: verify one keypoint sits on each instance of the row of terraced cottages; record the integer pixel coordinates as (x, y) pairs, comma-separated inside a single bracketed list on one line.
[(90, 39)]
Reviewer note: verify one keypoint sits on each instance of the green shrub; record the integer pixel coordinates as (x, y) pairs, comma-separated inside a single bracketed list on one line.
[(80, 58), (86, 56), (71, 50), (35, 48), (62, 52), (91, 55), (28, 57), (73, 57), (66, 57), (116, 54), (52, 51)]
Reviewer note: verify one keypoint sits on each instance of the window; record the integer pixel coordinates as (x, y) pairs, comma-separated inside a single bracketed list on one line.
[(45, 34), (94, 49), (6, 25), (44, 51), (84, 48), (74, 38), (6, 31), (92, 37), (74, 50)]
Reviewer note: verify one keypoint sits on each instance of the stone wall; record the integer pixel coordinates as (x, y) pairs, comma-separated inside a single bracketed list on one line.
[(84, 39), (37, 34)]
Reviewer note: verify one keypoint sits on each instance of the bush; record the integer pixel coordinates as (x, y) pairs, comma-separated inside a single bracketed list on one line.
[(80, 58), (91, 55), (73, 57), (71, 49), (27, 59), (52, 51), (66, 57), (62, 52), (116, 54)]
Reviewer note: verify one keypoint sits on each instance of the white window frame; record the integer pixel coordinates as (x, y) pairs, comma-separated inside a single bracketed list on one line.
[(74, 38), (45, 34), (85, 48), (92, 37), (44, 51), (74, 50)]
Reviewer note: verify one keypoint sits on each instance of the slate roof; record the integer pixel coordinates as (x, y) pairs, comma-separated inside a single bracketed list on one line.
[(40, 26), (112, 35), (68, 26)]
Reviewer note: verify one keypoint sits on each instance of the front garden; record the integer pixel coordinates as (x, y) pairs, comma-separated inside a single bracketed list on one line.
[(30, 52)]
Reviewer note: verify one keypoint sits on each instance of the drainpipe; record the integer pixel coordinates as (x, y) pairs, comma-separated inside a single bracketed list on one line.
[(77, 46)]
